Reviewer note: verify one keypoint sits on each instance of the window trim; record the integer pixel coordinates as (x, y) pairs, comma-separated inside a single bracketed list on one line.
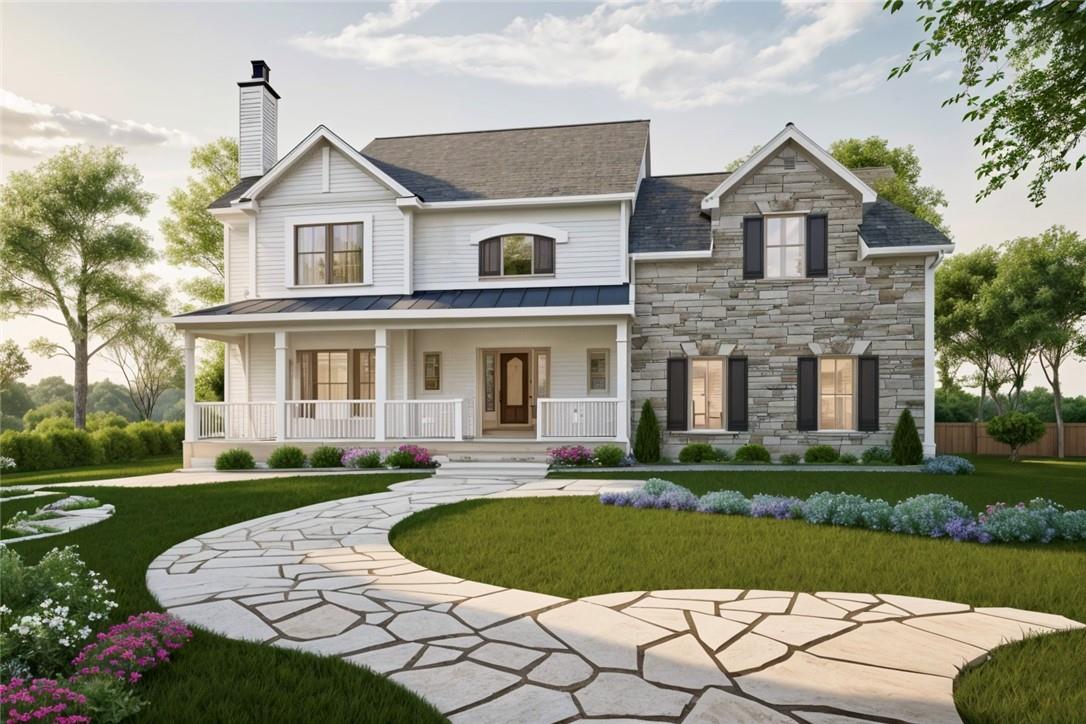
[(723, 360), (854, 394), (440, 375), (501, 257), (290, 246), (606, 371), (801, 245)]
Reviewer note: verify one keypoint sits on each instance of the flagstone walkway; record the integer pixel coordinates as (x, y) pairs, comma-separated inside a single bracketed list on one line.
[(324, 579)]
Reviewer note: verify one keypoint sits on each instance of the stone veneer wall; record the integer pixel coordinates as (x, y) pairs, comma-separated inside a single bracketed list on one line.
[(772, 322)]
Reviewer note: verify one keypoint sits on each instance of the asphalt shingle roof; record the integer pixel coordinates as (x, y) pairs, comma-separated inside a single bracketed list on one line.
[(588, 159), (885, 224), (602, 295), (223, 202), (668, 214)]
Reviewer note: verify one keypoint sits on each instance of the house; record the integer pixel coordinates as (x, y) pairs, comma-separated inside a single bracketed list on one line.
[(506, 291)]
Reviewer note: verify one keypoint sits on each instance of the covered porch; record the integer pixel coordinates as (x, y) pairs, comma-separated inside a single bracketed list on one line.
[(521, 384)]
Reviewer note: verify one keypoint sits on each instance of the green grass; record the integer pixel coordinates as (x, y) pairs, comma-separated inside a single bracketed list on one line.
[(215, 679), (8, 509), (87, 473), (996, 480), (576, 547)]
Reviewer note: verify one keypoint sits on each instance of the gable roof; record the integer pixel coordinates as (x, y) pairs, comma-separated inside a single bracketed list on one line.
[(238, 192), (886, 225), (668, 215), (576, 160), (793, 134)]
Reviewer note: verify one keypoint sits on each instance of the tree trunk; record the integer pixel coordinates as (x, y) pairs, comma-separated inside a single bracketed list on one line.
[(1057, 403), (983, 393), (80, 386)]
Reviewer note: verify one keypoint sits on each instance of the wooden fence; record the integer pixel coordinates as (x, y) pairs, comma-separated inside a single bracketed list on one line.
[(956, 438)]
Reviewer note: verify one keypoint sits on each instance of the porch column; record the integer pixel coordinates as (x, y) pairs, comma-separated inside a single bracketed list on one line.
[(280, 386), (929, 355), (380, 372), (191, 427), (622, 380)]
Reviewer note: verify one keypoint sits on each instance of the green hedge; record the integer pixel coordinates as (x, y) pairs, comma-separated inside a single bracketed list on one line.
[(70, 448)]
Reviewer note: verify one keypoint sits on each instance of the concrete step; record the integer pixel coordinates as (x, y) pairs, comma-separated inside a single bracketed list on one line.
[(491, 469), (504, 456)]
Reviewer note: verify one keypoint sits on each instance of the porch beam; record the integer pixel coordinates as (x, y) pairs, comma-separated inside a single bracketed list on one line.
[(380, 344), (191, 429), (280, 386)]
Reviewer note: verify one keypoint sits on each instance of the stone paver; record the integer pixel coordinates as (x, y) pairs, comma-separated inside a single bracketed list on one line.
[(324, 579)]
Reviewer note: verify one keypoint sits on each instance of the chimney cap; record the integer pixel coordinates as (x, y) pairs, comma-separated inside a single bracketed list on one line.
[(261, 70)]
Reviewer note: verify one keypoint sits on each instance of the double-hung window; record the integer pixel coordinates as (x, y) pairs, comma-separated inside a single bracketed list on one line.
[(515, 255), (707, 393), (328, 254), (836, 393), (785, 243)]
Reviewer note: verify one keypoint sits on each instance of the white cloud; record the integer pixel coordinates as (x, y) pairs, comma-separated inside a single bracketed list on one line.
[(31, 128), (617, 45), (859, 78)]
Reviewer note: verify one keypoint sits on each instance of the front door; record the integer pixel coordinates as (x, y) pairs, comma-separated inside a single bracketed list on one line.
[(514, 388)]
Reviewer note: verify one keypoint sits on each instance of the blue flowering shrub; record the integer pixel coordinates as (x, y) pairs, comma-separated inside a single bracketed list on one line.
[(1038, 521), (655, 493), (948, 465), (846, 509), (1071, 525), (725, 502), (781, 507), (928, 514)]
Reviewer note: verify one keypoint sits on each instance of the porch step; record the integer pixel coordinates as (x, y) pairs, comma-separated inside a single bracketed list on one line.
[(487, 457), (491, 469)]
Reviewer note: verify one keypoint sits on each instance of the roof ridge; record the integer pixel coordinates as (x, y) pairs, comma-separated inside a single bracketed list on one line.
[(695, 173), (516, 128)]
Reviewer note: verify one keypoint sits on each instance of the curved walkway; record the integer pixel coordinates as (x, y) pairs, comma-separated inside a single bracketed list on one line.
[(324, 579)]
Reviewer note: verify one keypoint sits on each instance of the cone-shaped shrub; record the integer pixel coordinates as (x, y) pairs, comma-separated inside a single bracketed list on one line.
[(647, 440), (905, 447)]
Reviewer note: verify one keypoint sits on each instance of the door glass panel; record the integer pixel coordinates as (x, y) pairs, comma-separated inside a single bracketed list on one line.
[(514, 378), (488, 381), (542, 375)]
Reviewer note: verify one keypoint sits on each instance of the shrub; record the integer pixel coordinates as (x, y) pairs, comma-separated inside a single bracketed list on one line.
[(29, 450), (98, 420), (781, 507), (654, 493), (847, 459), (287, 456), (752, 453), (722, 454), (1071, 525), (49, 610), (1032, 522), (725, 502), (948, 465), (609, 456), (235, 459), (54, 424), (877, 455), (154, 437), (569, 456), (905, 446), (928, 514), (358, 457), (697, 452), (119, 445), (790, 459), (176, 432), (44, 700), (840, 509), (410, 456), (56, 408), (73, 448), (109, 701), (129, 649), (820, 454), (647, 438), (327, 456), (657, 486), (1016, 429)]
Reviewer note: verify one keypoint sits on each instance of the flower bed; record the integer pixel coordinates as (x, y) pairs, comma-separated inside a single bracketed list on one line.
[(933, 515), (579, 456), (129, 649), (404, 456)]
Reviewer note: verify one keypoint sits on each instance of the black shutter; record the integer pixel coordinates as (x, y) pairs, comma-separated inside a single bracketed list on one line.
[(807, 394), (676, 393), (817, 251), (753, 248), (544, 255), (490, 257), (869, 394), (737, 393)]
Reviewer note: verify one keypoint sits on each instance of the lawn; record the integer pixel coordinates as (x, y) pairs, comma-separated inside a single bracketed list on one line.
[(576, 547), (147, 466), (9, 508), (215, 679)]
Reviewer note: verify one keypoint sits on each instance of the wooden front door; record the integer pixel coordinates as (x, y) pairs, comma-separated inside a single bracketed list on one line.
[(514, 388)]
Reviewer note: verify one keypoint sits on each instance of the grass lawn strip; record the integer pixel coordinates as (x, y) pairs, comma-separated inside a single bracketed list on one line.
[(215, 678), (106, 471)]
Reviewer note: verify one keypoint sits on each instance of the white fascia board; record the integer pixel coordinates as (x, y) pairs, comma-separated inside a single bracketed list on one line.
[(560, 236), (234, 213), (925, 250), (404, 314), (322, 133), (671, 255), (790, 133), (528, 201)]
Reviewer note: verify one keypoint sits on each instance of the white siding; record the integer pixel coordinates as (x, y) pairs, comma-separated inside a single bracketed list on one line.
[(237, 255), (236, 389), (257, 131), (262, 367), (300, 193), (445, 258)]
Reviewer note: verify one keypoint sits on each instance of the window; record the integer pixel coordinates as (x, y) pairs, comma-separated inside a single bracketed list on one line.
[(431, 371), (516, 255), (325, 375), (784, 247), (367, 377), (597, 371), (836, 393), (707, 393), (328, 254)]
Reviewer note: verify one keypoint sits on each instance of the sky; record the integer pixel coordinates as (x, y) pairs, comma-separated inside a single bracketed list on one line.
[(715, 78)]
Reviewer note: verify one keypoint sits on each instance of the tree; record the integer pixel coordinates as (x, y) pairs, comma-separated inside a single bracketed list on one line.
[(739, 161), (50, 388), (1022, 74), (66, 251), (1016, 429), (148, 357), (647, 439), (193, 236), (56, 408), (905, 446), (904, 188), (1042, 289), (13, 364), (14, 403), (210, 375)]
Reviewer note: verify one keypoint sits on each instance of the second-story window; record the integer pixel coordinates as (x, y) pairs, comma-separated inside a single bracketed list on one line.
[(784, 247), (515, 255), (328, 254)]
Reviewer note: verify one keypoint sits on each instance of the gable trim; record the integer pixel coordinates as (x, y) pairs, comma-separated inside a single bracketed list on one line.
[(322, 133), (560, 236), (915, 250), (790, 133), (513, 202)]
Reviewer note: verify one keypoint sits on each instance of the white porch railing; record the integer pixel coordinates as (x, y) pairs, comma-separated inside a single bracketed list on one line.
[(331, 419), (588, 417), (429, 419), (235, 420)]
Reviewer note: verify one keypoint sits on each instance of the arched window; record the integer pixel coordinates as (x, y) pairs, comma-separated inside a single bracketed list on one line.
[(513, 255)]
